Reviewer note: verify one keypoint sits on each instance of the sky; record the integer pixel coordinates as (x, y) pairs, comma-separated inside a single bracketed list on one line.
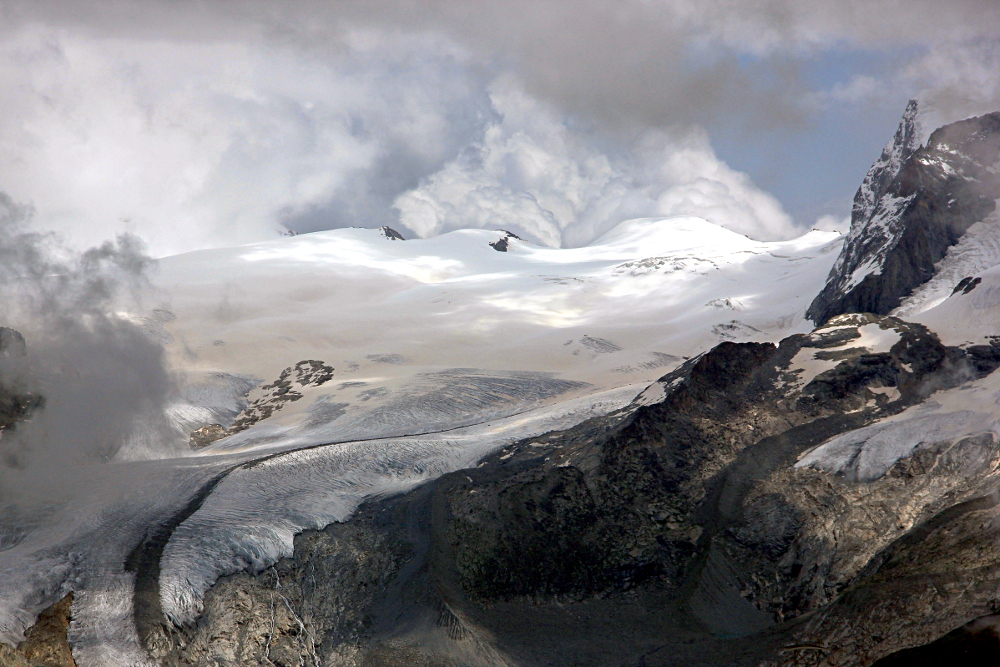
[(195, 124)]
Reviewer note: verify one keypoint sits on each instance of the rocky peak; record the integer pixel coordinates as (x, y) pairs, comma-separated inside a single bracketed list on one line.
[(914, 203), (390, 233), (886, 168), (974, 140), (502, 244)]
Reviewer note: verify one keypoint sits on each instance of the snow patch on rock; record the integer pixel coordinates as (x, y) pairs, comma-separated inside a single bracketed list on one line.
[(866, 454)]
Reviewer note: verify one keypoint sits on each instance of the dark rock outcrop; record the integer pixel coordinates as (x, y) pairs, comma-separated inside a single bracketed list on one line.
[(45, 643), (503, 243), (966, 285), (913, 205), (206, 435), (271, 398), (390, 233), (973, 645)]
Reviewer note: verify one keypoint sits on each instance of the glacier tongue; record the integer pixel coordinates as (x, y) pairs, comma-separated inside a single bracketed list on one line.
[(250, 518)]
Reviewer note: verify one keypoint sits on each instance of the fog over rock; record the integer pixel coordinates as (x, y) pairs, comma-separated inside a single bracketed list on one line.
[(102, 377)]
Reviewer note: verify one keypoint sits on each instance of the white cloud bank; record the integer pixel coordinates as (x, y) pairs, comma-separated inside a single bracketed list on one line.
[(203, 144), (207, 124), (198, 144), (531, 175)]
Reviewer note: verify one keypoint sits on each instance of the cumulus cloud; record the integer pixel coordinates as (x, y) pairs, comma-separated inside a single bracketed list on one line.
[(530, 174), (956, 81), (211, 143), (951, 80), (639, 63), (768, 26)]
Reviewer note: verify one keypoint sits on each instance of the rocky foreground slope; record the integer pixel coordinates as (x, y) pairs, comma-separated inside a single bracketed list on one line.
[(675, 533), (679, 532)]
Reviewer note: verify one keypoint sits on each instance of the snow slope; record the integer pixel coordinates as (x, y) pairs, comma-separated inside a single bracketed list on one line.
[(977, 251), (443, 350), (964, 318), (397, 319)]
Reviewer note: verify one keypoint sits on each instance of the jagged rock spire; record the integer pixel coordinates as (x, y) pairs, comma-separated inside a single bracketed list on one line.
[(896, 152)]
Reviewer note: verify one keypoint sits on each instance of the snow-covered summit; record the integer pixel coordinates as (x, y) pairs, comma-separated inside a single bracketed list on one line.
[(665, 234)]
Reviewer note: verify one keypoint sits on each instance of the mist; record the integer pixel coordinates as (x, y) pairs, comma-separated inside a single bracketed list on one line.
[(89, 382)]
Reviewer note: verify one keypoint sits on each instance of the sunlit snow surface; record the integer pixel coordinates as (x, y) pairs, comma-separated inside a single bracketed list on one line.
[(385, 313), (444, 349)]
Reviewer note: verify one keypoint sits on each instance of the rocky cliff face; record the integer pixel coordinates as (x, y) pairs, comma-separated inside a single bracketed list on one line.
[(913, 205), (678, 532)]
